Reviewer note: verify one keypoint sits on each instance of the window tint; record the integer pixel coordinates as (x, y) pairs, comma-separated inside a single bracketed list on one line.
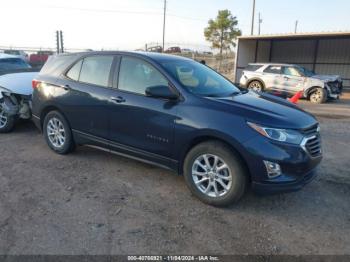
[(136, 75), (252, 68), (95, 70), (13, 64), (273, 70), (74, 72), (291, 71)]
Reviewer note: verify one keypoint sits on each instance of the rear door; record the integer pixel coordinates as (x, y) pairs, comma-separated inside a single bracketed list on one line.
[(85, 92), (138, 123)]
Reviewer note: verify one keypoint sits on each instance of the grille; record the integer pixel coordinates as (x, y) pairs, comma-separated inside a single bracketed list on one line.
[(312, 141)]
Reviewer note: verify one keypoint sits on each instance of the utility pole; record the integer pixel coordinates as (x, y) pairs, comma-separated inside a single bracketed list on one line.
[(61, 41), (164, 24), (253, 16), (57, 42), (296, 26), (260, 21)]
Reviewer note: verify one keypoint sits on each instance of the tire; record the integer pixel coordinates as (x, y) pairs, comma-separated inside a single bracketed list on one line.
[(234, 176), (58, 134), (256, 86), (318, 96), (7, 123)]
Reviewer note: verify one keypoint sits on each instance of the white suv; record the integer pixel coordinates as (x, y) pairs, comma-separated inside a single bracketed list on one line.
[(290, 79)]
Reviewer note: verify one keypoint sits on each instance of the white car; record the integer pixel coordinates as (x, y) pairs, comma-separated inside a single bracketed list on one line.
[(290, 79), (15, 91)]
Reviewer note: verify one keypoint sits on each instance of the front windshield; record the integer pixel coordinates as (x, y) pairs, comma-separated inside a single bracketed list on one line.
[(12, 64), (200, 79), (305, 72)]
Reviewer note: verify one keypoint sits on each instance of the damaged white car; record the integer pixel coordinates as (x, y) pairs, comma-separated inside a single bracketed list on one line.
[(15, 98), (290, 79)]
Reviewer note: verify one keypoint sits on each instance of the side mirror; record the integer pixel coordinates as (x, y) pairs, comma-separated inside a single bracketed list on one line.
[(161, 92)]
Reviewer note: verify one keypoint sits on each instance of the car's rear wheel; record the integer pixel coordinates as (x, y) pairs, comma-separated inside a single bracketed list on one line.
[(58, 133), (7, 123), (215, 174), (256, 86), (318, 96)]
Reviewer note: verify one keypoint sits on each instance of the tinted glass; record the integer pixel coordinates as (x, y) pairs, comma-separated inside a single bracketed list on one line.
[(252, 68), (95, 70), (273, 70), (13, 64), (291, 71), (74, 72), (136, 76), (200, 79)]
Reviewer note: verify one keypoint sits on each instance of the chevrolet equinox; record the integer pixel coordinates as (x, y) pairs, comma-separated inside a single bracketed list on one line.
[(179, 114)]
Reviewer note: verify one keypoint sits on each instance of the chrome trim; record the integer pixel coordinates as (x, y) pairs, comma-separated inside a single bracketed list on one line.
[(304, 142)]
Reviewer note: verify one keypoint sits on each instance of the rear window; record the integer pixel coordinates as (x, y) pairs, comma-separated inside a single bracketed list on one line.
[(12, 52), (273, 70), (13, 64), (96, 69), (252, 68)]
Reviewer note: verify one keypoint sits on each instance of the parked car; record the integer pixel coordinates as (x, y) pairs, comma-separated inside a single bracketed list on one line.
[(155, 49), (10, 63), (186, 51), (15, 98), (292, 79), (173, 50), (39, 59), (18, 53), (179, 114)]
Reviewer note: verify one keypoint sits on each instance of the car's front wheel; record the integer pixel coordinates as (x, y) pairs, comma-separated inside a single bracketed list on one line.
[(215, 174), (318, 96), (57, 133), (7, 123)]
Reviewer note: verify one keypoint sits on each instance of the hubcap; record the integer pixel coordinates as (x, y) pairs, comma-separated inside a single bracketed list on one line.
[(3, 118), (211, 175), (56, 132), (316, 96), (255, 86)]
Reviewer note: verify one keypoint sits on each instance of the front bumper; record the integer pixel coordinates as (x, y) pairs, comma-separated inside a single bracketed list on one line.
[(298, 167)]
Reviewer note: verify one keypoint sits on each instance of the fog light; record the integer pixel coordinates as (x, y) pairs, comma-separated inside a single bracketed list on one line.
[(273, 169)]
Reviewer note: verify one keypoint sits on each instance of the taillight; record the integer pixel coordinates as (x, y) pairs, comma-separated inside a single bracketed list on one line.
[(35, 83)]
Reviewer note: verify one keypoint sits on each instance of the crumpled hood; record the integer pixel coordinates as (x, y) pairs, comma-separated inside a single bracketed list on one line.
[(327, 78), (268, 110), (18, 83)]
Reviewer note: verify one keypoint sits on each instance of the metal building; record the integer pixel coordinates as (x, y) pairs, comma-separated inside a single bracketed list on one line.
[(324, 53)]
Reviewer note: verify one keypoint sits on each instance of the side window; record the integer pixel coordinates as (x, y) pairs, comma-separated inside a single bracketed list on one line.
[(273, 70), (136, 76), (291, 71), (74, 72), (96, 69)]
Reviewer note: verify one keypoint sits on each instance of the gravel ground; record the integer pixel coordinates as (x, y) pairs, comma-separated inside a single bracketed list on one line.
[(92, 202)]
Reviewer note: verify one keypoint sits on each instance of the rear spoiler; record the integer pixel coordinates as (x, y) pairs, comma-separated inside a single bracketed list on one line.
[(24, 70)]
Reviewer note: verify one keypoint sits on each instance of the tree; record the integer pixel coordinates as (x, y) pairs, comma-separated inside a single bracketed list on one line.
[(222, 31)]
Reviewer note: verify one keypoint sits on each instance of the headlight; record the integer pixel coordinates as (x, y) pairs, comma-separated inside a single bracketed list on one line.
[(282, 135)]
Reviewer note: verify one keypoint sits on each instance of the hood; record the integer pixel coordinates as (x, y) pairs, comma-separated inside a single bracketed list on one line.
[(327, 78), (268, 110), (18, 83)]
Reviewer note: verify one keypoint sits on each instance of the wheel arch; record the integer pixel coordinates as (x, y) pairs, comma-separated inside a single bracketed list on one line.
[(206, 138), (309, 91), (47, 110)]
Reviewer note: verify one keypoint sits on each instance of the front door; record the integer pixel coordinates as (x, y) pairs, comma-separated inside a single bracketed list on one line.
[(292, 81), (140, 124)]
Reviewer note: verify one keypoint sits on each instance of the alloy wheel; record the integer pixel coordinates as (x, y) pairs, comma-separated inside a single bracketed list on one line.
[(56, 132), (211, 175), (3, 118), (256, 86), (316, 96)]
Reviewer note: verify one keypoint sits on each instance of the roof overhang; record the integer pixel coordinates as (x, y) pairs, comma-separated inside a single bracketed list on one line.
[(297, 36)]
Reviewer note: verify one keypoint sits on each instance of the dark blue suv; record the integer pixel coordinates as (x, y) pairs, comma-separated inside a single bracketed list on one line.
[(178, 114)]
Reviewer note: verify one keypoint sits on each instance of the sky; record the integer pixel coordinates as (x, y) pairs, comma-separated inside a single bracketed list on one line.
[(130, 24)]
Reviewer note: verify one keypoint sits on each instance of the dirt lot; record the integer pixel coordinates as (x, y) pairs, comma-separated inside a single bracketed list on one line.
[(91, 202)]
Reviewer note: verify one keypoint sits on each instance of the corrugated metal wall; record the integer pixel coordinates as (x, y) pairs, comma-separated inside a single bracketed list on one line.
[(324, 56)]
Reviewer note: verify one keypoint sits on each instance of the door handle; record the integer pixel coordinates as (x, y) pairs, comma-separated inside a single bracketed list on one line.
[(66, 87), (118, 99)]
